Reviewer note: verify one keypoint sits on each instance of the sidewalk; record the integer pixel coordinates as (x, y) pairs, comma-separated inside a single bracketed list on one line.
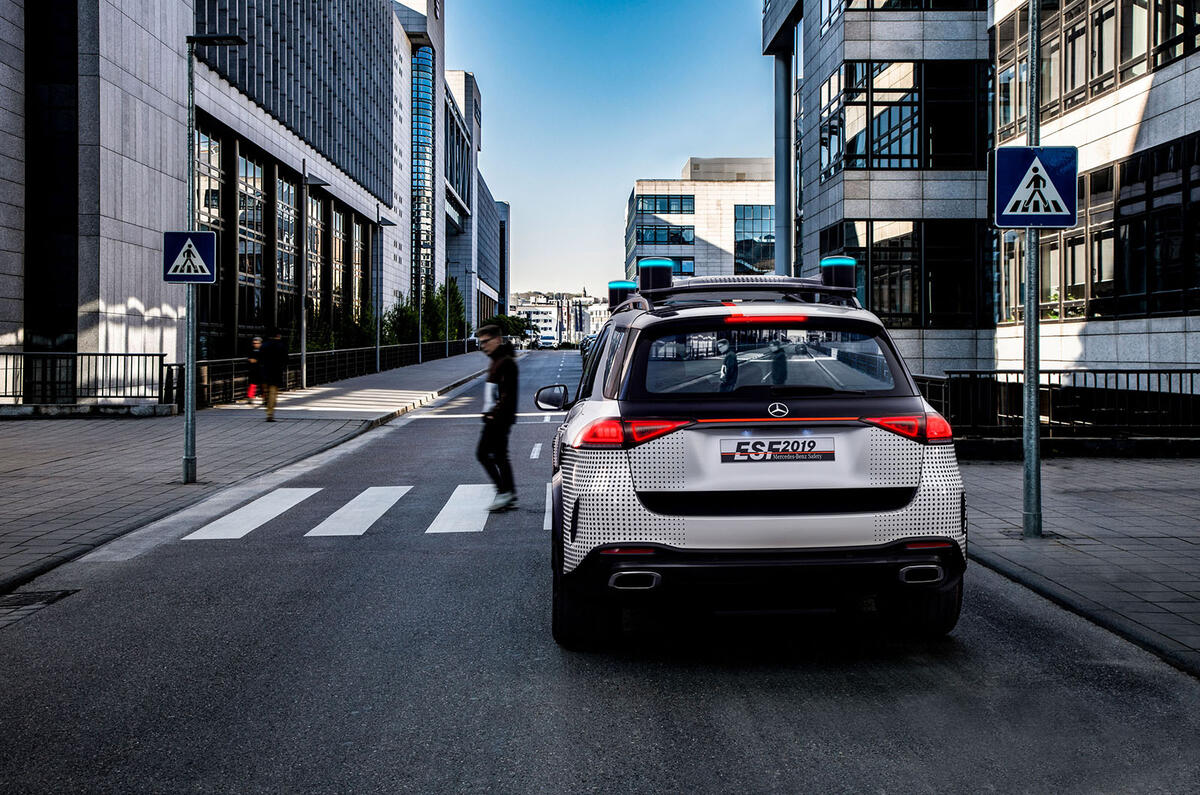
[(69, 485), (1121, 543)]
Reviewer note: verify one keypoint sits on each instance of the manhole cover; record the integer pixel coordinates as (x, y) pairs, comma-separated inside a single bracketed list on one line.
[(31, 599)]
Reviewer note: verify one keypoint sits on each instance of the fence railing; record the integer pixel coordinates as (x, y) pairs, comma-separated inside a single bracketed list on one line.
[(226, 380), (1080, 403), (70, 378)]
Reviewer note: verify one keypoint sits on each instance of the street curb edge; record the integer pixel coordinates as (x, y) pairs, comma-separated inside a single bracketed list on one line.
[(1085, 608)]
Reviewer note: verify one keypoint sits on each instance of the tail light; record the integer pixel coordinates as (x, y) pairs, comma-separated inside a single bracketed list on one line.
[(612, 433), (738, 318), (927, 428)]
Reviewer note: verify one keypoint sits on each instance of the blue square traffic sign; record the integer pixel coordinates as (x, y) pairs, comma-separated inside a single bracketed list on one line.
[(1035, 186), (190, 257)]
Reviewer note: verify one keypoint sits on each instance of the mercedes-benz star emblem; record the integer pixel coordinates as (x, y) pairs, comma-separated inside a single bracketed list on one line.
[(777, 410)]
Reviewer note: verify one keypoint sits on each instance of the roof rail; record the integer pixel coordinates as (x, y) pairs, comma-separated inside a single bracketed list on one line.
[(635, 301), (728, 288)]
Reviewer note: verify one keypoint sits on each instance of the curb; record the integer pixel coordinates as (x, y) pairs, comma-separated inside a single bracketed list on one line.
[(1097, 614), (10, 582)]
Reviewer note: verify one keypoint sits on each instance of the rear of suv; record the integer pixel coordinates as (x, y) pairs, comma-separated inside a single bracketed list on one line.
[(749, 443)]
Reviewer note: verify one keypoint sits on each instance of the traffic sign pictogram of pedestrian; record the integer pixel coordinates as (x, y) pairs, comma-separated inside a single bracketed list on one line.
[(1035, 186), (190, 257)]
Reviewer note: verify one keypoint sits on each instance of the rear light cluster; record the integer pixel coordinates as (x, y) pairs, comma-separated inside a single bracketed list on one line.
[(613, 433), (927, 428)]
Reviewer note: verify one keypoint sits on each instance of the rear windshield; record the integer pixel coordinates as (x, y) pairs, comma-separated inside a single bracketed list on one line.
[(765, 360)]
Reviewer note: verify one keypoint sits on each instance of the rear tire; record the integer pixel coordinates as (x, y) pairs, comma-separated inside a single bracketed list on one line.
[(933, 613), (580, 624)]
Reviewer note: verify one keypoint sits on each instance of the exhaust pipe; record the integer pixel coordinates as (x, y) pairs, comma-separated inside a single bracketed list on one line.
[(634, 580), (922, 574)]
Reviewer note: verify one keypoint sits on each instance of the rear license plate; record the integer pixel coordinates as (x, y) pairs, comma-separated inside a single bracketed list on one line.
[(748, 451)]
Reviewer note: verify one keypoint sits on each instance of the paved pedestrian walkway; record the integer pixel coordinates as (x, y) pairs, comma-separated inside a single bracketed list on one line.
[(69, 485), (1120, 545)]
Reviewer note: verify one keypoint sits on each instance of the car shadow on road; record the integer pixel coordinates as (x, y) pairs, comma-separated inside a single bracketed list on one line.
[(809, 638)]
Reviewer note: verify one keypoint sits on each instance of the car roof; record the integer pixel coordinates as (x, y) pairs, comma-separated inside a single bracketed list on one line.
[(749, 309)]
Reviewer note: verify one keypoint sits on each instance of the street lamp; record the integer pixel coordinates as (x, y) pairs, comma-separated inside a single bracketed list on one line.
[(381, 222), (307, 181), (189, 345)]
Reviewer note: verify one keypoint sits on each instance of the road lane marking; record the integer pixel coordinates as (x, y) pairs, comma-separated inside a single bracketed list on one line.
[(536, 451), (252, 516), (356, 516), (466, 511), (546, 418), (546, 520)]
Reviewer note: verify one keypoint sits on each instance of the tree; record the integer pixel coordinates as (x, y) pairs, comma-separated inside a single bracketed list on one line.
[(434, 314)]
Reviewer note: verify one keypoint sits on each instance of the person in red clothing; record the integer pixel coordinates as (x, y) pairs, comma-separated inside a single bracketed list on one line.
[(499, 414)]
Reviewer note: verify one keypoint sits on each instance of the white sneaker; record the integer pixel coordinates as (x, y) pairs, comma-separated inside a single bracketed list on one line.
[(503, 502)]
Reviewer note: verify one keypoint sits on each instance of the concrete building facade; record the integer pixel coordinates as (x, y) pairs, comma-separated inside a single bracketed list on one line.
[(307, 139), (892, 113), (717, 218)]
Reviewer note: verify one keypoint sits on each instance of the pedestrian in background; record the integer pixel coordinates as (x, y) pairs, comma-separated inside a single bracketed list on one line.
[(499, 414), (729, 366), (256, 369), (273, 360)]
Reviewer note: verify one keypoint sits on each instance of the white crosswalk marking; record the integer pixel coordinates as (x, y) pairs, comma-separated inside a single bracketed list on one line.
[(465, 512), (536, 451), (356, 516), (546, 520), (249, 517)]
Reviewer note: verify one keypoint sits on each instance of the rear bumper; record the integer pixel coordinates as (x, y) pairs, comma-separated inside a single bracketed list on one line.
[(763, 578)]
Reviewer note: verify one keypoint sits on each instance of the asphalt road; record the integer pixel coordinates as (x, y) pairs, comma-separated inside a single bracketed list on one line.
[(405, 661)]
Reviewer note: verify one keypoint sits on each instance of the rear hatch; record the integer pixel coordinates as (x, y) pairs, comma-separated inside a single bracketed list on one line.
[(776, 416)]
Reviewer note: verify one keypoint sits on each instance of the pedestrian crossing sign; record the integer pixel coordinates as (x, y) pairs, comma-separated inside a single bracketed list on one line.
[(190, 257), (1035, 186)]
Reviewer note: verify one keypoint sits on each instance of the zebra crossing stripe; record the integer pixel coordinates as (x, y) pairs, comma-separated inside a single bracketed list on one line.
[(536, 451), (546, 520), (465, 512), (252, 516), (356, 517)]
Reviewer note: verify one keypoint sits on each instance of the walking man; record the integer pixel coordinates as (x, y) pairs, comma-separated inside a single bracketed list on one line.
[(499, 414), (273, 358)]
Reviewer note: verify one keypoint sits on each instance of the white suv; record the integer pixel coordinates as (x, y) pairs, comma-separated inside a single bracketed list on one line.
[(751, 443)]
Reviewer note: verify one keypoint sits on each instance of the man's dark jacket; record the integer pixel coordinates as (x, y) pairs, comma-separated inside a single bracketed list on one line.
[(503, 373)]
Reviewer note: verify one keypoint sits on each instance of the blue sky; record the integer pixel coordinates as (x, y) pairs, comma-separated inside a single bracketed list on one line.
[(582, 98)]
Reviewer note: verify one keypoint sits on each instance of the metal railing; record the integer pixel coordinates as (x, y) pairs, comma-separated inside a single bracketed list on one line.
[(227, 380), (70, 378), (1080, 403)]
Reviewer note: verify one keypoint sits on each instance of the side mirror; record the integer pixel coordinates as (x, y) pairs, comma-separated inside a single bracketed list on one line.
[(551, 398)]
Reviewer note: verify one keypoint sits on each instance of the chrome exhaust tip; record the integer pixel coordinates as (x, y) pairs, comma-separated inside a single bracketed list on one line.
[(634, 580), (922, 574)]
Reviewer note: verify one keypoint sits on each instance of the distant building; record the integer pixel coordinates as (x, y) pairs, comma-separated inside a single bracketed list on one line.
[(598, 315), (542, 315), (716, 219)]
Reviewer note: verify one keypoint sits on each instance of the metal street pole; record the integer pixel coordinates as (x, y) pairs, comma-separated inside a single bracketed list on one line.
[(304, 273), (420, 302), (189, 345), (1031, 428), (377, 255)]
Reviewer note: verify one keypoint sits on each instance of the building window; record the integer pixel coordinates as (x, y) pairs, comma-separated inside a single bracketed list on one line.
[(665, 235), (680, 266), (209, 218), (916, 273), (1088, 47), (909, 115), (251, 242), (666, 205), (286, 224), (357, 283), (423, 171), (337, 268), (316, 246), (753, 238)]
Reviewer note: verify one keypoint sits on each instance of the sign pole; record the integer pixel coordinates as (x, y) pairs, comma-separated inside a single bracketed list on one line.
[(1031, 428), (189, 345)]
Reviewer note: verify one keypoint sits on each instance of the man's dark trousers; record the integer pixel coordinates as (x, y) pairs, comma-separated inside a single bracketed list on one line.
[(493, 454)]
